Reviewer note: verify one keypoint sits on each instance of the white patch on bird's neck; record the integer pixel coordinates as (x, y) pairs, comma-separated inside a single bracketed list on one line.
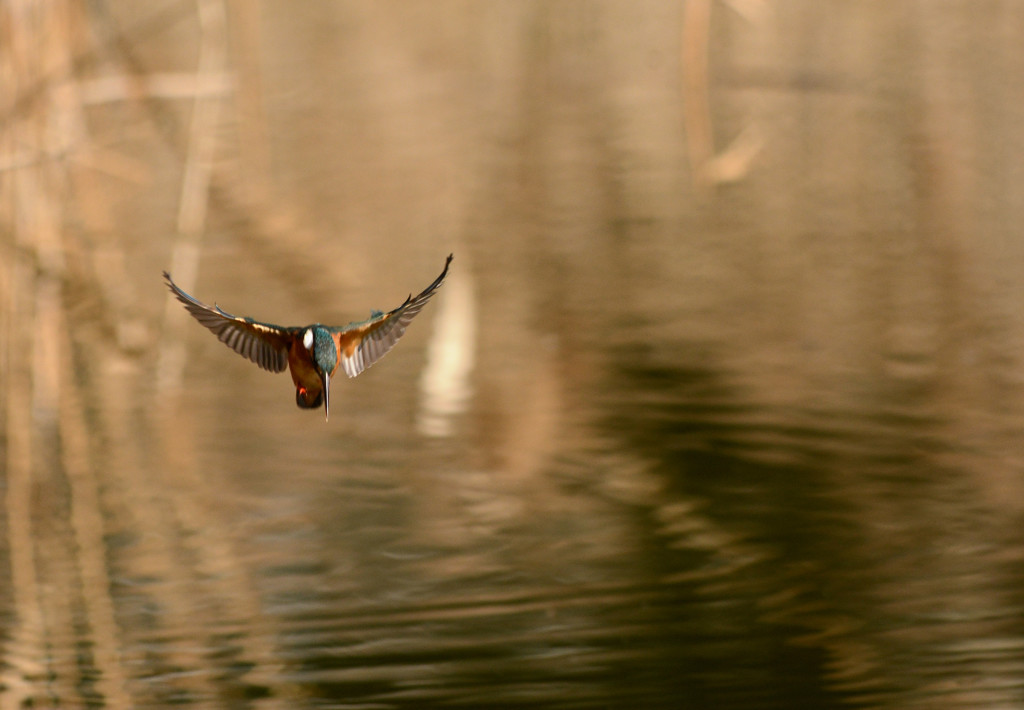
[(307, 338)]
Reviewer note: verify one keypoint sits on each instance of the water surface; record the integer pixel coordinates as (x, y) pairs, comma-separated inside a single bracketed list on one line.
[(721, 406)]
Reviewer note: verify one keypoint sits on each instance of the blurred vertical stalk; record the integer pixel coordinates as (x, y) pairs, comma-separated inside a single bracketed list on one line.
[(76, 465), (733, 163), (33, 291), (195, 188), (24, 662), (23, 656), (88, 526), (44, 418), (696, 101), (254, 155), (208, 546)]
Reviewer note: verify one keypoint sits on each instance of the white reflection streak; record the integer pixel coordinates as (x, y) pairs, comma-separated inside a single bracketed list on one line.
[(445, 386)]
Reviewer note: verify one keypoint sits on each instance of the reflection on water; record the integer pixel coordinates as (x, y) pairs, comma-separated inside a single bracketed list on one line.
[(445, 385), (688, 427)]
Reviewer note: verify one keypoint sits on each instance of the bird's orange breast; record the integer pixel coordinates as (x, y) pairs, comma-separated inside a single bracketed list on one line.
[(300, 364)]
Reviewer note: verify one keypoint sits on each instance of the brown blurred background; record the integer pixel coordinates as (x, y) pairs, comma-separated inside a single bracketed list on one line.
[(721, 406)]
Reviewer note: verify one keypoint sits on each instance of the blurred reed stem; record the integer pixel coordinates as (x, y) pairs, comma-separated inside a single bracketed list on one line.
[(76, 461)]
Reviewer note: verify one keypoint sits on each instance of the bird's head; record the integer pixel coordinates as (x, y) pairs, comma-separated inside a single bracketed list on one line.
[(320, 344)]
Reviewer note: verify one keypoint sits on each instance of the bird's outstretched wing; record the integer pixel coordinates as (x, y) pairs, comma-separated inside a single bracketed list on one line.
[(362, 344), (263, 343)]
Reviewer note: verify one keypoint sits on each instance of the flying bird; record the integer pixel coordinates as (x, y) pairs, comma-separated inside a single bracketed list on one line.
[(314, 352)]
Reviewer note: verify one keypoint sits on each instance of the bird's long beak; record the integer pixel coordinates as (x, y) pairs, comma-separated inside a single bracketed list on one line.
[(327, 395)]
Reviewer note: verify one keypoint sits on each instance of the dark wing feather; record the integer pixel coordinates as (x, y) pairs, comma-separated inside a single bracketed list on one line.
[(264, 344), (362, 344)]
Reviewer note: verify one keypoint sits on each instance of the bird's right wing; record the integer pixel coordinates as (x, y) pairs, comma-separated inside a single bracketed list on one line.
[(263, 343)]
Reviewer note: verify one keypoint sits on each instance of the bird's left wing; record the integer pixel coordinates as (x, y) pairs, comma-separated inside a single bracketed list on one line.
[(362, 344), (263, 343)]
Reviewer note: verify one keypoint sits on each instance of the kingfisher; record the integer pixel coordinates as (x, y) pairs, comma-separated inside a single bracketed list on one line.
[(314, 352)]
